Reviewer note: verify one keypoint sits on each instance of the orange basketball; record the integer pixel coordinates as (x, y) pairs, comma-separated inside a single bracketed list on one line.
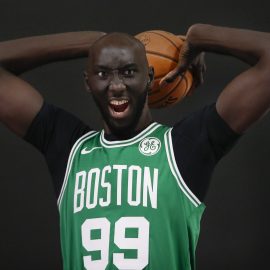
[(162, 51)]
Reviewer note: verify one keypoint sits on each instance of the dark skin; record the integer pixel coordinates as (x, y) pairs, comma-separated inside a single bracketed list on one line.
[(123, 79), (247, 97), (243, 101), (19, 100)]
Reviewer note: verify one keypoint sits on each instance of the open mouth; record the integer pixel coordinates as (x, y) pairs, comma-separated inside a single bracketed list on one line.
[(119, 108)]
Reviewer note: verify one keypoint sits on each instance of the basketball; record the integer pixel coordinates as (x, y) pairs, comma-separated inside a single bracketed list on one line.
[(162, 51)]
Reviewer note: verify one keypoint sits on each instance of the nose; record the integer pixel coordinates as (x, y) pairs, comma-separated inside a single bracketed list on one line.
[(116, 83)]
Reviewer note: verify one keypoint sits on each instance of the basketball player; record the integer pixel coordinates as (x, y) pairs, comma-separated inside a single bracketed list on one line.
[(130, 196)]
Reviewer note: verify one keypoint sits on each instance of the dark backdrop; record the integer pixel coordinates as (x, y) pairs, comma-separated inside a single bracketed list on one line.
[(235, 228)]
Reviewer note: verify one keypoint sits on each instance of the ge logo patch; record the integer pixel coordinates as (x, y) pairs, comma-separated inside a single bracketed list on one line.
[(149, 146)]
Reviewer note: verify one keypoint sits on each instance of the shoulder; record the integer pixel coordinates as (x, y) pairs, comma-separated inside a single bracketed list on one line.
[(195, 121), (54, 124), (206, 125), (199, 141)]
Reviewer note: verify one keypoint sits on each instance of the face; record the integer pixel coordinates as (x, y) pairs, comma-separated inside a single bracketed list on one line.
[(118, 77)]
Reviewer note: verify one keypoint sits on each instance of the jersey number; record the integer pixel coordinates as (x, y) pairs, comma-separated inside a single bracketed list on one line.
[(141, 243)]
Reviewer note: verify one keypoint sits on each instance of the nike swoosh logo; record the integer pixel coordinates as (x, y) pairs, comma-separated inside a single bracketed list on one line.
[(85, 151)]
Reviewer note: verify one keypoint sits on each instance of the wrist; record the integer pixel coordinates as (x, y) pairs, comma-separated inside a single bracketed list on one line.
[(196, 35)]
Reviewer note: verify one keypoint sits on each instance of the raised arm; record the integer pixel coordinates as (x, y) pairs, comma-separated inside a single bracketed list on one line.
[(247, 97), (19, 101)]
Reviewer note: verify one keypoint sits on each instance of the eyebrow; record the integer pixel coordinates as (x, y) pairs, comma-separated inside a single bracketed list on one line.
[(131, 65)]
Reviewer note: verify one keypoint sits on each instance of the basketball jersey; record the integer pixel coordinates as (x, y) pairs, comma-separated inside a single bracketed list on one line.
[(124, 205)]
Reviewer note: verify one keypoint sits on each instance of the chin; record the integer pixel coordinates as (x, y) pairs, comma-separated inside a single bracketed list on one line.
[(126, 126), (121, 127)]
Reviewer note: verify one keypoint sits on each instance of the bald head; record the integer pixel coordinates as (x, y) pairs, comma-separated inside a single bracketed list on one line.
[(116, 40), (118, 71)]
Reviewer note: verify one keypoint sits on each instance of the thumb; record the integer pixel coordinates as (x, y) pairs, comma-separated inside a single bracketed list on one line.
[(172, 75), (182, 66)]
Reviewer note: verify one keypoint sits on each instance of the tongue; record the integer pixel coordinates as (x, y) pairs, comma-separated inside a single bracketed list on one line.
[(119, 108)]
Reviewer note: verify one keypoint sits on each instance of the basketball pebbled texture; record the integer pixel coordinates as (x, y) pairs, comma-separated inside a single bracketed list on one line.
[(162, 51)]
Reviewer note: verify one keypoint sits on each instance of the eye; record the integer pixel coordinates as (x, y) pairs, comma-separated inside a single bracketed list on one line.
[(102, 74), (128, 72)]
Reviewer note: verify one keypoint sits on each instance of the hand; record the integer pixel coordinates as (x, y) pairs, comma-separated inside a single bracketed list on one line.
[(190, 58)]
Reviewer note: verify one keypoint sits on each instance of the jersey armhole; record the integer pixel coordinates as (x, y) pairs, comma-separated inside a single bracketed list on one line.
[(175, 170), (72, 153)]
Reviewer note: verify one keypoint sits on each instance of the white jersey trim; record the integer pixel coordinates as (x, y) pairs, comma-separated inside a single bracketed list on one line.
[(175, 171), (70, 160), (112, 144)]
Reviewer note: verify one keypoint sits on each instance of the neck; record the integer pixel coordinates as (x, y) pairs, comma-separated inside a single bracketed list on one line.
[(126, 133)]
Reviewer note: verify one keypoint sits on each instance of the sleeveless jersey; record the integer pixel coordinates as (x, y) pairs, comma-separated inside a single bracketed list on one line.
[(124, 205)]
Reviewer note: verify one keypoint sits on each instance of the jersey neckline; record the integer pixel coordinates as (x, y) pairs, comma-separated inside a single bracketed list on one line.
[(136, 138)]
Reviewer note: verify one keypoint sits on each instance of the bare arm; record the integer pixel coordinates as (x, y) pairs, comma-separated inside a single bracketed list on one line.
[(19, 101), (247, 97)]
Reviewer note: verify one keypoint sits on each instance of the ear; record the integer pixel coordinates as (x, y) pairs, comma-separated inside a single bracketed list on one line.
[(86, 84), (151, 74)]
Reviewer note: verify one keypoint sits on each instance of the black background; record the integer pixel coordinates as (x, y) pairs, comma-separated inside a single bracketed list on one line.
[(235, 229)]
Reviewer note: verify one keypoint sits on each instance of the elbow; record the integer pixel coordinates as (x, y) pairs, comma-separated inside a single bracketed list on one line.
[(2, 70), (263, 65), (263, 50), (265, 74)]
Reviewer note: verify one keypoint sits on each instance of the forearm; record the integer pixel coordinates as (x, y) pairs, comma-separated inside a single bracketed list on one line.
[(246, 98), (24, 54), (247, 45)]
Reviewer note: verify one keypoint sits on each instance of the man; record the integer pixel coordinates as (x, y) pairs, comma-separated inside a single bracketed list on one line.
[(129, 196)]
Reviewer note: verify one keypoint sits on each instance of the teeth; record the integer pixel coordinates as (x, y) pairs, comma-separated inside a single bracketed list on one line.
[(118, 102)]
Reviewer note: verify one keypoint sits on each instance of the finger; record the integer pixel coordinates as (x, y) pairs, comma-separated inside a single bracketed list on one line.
[(182, 37), (172, 75), (191, 91), (201, 79), (197, 81), (202, 62), (162, 83), (204, 68), (177, 71), (195, 70), (184, 62)]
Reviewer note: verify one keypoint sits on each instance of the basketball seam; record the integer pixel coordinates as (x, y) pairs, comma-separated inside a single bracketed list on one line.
[(159, 34), (160, 76), (162, 55), (164, 97)]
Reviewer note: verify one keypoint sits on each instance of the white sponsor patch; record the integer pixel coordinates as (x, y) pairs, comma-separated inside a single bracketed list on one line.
[(149, 146)]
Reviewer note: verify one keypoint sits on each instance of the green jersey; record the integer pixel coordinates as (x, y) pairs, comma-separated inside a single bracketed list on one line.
[(124, 205)]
